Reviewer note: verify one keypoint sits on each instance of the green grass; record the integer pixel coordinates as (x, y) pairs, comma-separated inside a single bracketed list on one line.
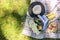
[(12, 15)]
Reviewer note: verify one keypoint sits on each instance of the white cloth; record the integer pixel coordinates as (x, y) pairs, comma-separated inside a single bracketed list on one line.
[(29, 32)]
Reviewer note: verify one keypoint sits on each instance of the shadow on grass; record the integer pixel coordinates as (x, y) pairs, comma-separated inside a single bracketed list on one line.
[(28, 1), (18, 17), (2, 37)]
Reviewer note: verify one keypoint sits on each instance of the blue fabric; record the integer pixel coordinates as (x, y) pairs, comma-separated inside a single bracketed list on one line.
[(44, 20)]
